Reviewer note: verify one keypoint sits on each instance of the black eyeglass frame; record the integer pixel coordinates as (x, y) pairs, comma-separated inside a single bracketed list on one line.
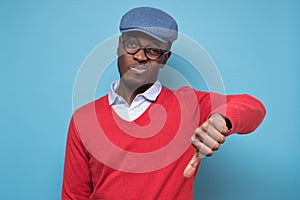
[(146, 49)]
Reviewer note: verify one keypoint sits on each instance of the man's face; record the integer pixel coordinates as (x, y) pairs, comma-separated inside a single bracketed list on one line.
[(135, 67)]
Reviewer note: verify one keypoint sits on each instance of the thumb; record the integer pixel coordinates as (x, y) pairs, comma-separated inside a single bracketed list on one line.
[(193, 164)]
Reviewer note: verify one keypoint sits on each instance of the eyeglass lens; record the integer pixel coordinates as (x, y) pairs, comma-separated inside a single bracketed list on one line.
[(132, 46)]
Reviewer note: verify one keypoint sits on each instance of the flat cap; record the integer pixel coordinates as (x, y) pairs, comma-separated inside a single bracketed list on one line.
[(151, 21)]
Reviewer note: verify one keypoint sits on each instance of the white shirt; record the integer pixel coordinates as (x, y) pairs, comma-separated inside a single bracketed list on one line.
[(138, 106)]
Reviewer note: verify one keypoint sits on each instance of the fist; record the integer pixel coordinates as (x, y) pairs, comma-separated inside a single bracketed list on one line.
[(207, 139)]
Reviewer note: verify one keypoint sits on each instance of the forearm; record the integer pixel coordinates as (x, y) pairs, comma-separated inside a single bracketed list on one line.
[(244, 112)]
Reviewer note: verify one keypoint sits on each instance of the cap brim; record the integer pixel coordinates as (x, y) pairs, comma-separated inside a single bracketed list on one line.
[(146, 32)]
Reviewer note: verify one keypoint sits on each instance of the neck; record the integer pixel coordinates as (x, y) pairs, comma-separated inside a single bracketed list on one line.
[(130, 92)]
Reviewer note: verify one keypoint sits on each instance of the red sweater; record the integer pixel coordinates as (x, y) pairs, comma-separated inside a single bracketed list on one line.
[(109, 158)]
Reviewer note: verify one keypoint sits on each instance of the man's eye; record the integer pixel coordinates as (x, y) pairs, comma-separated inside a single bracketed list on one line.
[(153, 51), (132, 44)]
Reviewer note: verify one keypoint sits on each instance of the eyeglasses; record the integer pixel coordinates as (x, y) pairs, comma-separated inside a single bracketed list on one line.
[(132, 46)]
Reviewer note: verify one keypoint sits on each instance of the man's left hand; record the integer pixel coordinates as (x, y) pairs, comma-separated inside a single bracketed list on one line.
[(207, 139)]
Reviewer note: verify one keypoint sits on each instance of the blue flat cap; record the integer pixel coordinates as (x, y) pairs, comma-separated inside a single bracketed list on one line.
[(151, 21)]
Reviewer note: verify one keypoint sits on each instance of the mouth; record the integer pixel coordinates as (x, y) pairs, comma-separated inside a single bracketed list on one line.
[(139, 69)]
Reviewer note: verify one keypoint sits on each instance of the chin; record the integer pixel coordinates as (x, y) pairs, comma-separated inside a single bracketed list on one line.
[(135, 83)]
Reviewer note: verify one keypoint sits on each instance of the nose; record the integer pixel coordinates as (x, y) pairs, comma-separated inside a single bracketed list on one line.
[(140, 56)]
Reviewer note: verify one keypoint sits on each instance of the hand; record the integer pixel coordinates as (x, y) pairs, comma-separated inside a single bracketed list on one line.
[(206, 139)]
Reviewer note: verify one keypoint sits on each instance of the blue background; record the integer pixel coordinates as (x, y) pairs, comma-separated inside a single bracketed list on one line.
[(255, 45)]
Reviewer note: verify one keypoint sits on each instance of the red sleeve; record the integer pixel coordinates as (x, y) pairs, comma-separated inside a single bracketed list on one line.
[(244, 111), (77, 184)]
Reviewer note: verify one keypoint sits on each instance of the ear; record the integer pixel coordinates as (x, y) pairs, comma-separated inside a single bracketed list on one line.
[(166, 57)]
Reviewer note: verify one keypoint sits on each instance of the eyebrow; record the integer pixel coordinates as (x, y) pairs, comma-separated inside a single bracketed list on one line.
[(153, 43)]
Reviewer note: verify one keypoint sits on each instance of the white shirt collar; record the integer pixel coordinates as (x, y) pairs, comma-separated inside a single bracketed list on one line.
[(151, 94)]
